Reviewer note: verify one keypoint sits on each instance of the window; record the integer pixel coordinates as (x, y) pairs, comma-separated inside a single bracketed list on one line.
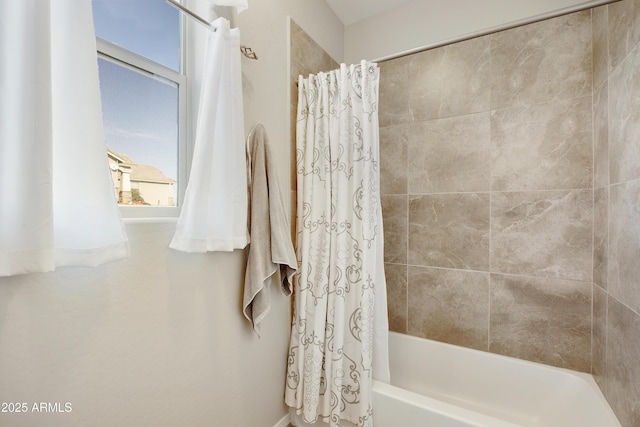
[(143, 102)]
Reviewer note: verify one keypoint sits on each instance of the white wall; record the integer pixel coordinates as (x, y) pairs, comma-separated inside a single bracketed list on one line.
[(264, 28), (422, 23), (160, 339)]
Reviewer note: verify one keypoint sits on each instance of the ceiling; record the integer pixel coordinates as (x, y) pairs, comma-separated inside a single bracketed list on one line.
[(350, 11)]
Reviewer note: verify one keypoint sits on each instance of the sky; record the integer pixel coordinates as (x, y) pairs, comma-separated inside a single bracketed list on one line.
[(150, 28), (140, 110)]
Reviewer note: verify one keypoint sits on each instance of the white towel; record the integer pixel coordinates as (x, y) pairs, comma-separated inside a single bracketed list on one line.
[(214, 212), (271, 254)]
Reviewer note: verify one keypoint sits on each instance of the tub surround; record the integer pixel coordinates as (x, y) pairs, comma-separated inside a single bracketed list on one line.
[(511, 185), (450, 386), (616, 271), (448, 303), (491, 209)]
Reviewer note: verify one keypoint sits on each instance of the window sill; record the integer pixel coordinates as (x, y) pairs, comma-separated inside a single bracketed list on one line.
[(151, 220)]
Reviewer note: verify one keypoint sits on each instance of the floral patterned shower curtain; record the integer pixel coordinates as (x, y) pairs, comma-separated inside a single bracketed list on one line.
[(340, 318)]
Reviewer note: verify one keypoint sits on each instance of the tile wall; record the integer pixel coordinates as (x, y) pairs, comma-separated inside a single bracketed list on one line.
[(487, 169), (616, 252), (511, 195)]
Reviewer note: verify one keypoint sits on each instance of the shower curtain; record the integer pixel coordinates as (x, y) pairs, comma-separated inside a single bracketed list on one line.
[(338, 338)]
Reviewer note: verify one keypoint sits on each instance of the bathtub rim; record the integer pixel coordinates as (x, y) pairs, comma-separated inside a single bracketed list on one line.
[(581, 377), (449, 410)]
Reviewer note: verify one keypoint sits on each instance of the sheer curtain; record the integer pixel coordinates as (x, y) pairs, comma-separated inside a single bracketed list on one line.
[(57, 200), (339, 333), (214, 212)]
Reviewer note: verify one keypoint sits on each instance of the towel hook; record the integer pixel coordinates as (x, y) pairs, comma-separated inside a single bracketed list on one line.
[(248, 52)]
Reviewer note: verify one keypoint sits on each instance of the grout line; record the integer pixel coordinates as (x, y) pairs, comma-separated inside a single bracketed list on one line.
[(607, 81), (501, 191), (491, 93), (489, 318), (606, 342), (623, 304), (498, 273), (447, 268), (406, 322), (593, 285), (593, 191), (407, 205)]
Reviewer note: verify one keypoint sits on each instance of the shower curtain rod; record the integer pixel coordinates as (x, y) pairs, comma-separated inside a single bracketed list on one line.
[(526, 21), (245, 50)]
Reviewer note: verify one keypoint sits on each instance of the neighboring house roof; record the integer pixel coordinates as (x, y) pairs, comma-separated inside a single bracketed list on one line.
[(141, 173), (122, 158), (148, 173)]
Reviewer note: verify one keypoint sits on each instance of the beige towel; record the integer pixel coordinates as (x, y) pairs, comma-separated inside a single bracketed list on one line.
[(271, 253)]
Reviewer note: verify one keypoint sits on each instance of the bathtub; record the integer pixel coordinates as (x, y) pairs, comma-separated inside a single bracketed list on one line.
[(441, 385)]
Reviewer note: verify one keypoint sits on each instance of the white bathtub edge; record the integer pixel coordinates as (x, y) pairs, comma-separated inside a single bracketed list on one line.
[(283, 422), (437, 406), (582, 376), (585, 380)]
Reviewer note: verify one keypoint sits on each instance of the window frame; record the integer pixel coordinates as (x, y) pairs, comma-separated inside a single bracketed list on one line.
[(135, 62)]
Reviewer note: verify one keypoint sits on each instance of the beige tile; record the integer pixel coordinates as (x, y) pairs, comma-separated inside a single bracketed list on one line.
[(394, 92), (542, 147), (396, 275), (624, 29), (541, 62), (601, 137), (307, 57), (599, 340), (393, 159), (394, 218), (600, 40), (624, 119), (543, 233), (451, 306), (624, 243), (600, 236), (449, 230), (623, 368), (450, 155), (450, 81), (542, 320)]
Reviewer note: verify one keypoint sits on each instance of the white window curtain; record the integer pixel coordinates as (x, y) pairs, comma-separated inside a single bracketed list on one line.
[(57, 200), (339, 333), (214, 212)]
